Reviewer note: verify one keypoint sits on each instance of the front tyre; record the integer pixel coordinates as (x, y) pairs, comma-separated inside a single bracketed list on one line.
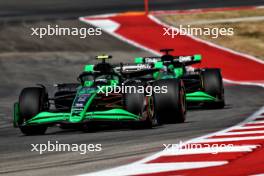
[(141, 105), (32, 100), (171, 105)]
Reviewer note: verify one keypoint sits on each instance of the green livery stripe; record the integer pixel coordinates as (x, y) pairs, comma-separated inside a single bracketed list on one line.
[(199, 96), (51, 117), (112, 117), (112, 114), (158, 65), (139, 60), (88, 68), (197, 57), (16, 114)]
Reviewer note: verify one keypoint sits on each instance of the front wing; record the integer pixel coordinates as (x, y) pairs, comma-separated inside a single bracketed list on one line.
[(50, 118)]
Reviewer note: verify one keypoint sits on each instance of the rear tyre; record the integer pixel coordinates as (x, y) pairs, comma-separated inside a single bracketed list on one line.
[(138, 104), (170, 106), (212, 84), (32, 100)]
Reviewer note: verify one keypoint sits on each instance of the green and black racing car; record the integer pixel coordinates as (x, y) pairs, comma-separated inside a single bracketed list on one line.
[(86, 103), (203, 86)]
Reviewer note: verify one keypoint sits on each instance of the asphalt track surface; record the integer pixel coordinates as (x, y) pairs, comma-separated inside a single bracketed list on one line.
[(53, 9), (120, 145)]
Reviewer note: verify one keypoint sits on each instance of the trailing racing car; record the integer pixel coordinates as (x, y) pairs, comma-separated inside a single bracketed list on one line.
[(203, 86), (89, 102)]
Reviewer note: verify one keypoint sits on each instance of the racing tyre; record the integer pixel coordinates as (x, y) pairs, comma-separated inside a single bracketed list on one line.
[(213, 85), (139, 104), (32, 100), (170, 106)]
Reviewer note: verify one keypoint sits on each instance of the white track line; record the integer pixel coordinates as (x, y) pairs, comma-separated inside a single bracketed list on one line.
[(229, 139), (247, 127), (244, 83), (154, 168), (227, 20), (189, 11), (210, 150), (256, 122), (243, 132)]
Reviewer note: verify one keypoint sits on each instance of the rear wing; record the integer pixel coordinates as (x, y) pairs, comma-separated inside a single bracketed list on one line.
[(184, 60)]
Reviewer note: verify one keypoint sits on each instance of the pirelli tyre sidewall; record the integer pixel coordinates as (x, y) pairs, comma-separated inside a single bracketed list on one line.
[(171, 106)]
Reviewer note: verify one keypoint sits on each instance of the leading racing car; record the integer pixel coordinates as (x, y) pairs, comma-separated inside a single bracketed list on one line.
[(88, 102)]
